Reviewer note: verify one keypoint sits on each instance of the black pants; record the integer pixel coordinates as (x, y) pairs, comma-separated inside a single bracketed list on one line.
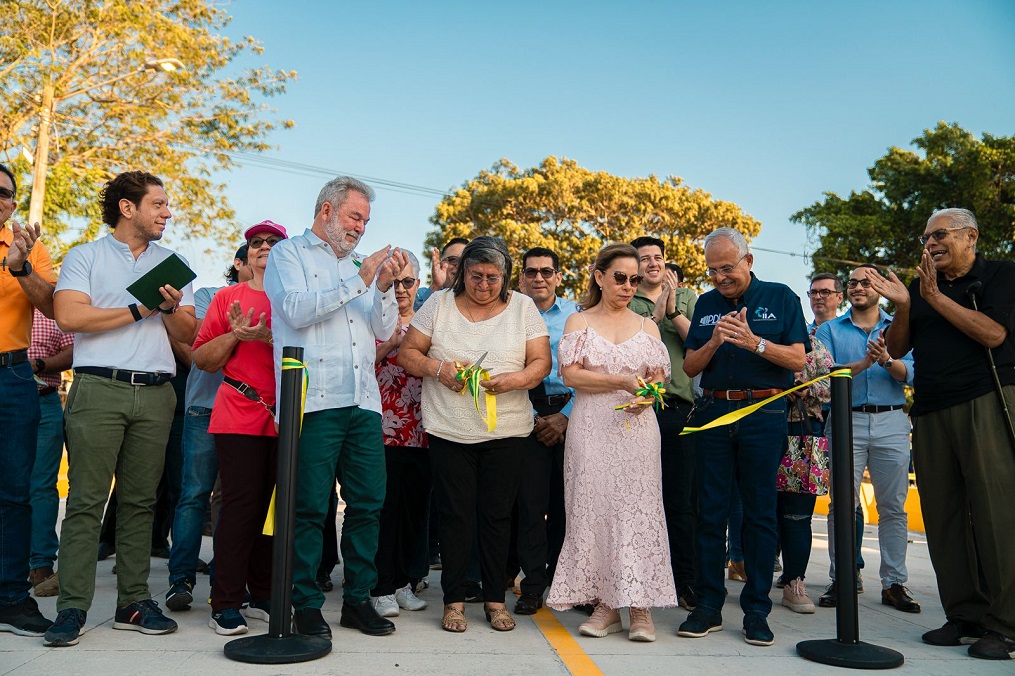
[(530, 527), (679, 497), (403, 517), (476, 485)]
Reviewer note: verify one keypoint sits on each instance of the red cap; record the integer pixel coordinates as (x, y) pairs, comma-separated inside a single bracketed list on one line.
[(265, 226)]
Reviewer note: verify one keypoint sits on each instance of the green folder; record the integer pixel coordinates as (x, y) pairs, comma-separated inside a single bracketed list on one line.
[(172, 271)]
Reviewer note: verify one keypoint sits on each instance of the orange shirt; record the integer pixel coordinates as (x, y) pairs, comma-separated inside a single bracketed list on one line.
[(15, 309)]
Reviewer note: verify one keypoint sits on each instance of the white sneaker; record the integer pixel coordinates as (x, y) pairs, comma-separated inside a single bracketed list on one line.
[(407, 600), (794, 597), (385, 605)]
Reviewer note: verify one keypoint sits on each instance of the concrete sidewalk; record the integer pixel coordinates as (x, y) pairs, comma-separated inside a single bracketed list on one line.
[(420, 647)]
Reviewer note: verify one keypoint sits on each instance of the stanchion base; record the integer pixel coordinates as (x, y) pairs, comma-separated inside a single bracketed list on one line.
[(850, 655), (264, 649)]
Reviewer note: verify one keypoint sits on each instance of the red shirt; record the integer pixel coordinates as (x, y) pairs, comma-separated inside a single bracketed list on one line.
[(251, 362), (401, 396)]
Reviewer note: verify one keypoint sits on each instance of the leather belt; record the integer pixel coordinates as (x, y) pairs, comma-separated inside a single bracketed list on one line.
[(248, 392), (13, 358), (553, 399), (46, 391), (741, 395), (136, 378), (871, 408)]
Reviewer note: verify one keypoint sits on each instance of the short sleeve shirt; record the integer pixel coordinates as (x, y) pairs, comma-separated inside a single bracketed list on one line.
[(773, 313), (680, 385), (401, 397), (47, 340), (15, 308)]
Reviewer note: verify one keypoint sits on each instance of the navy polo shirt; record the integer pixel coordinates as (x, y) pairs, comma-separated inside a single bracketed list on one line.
[(773, 313)]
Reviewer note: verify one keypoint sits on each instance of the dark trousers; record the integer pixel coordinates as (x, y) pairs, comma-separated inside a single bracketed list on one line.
[(750, 450), (529, 519), (247, 465), (476, 486), (403, 517), (679, 496), (965, 469), (329, 538)]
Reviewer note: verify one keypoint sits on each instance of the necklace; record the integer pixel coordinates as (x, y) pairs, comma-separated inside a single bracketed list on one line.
[(468, 308)]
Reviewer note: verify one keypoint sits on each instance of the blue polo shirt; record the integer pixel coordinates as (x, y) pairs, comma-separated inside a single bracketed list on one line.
[(773, 313), (555, 317), (848, 343)]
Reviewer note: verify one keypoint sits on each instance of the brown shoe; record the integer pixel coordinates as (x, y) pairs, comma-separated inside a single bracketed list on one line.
[(737, 572), (642, 628), (44, 582)]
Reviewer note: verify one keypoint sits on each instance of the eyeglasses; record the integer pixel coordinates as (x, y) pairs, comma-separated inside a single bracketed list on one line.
[(406, 283), (492, 280), (726, 269), (824, 293), (853, 283), (6, 194), (258, 242), (621, 278), (545, 273), (938, 235), (452, 261)]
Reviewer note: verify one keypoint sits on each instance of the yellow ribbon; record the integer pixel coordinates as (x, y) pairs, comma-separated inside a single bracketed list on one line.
[(288, 364), (734, 416), (470, 377), (654, 391)]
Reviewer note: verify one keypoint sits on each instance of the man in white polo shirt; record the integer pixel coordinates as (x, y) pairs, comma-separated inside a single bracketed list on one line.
[(120, 408)]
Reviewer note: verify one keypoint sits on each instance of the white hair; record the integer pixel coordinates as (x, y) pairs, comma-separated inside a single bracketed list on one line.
[(336, 191), (734, 236), (959, 218)]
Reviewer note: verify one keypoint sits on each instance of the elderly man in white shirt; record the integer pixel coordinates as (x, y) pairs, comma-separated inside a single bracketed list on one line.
[(334, 302)]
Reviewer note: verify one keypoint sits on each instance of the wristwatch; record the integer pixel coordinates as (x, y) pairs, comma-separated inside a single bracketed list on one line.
[(40, 365), (676, 313), (888, 363), (760, 349), (167, 312), (25, 270)]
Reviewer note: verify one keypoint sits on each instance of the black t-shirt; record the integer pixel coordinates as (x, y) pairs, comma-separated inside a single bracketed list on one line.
[(950, 367), (773, 313)]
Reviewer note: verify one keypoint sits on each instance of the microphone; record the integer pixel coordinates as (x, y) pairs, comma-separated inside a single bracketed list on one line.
[(973, 291)]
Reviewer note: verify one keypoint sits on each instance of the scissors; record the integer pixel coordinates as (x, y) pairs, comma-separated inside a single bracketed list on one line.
[(479, 361)]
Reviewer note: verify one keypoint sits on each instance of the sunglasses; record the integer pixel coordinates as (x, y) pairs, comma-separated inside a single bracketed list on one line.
[(451, 260), (6, 194), (853, 283), (824, 293), (406, 283), (545, 273), (621, 278), (937, 235), (258, 242)]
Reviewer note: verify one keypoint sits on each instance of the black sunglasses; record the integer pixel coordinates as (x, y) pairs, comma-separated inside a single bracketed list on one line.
[(406, 283), (6, 194), (621, 278), (545, 273), (257, 242)]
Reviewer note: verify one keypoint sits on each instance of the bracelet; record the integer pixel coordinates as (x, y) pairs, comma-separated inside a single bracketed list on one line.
[(167, 312), (134, 311), (676, 313), (439, 367)]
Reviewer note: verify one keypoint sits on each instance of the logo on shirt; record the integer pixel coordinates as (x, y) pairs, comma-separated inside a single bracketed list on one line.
[(709, 320), (764, 315)]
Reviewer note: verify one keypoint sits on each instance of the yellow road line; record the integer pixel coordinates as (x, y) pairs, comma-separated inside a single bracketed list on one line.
[(570, 652)]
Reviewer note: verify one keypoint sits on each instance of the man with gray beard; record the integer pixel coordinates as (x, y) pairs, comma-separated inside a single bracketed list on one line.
[(334, 303)]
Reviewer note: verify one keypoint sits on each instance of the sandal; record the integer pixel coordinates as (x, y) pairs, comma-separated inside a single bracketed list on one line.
[(454, 620), (500, 619)]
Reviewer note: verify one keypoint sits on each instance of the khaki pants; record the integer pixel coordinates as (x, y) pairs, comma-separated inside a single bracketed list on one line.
[(965, 470), (112, 427)]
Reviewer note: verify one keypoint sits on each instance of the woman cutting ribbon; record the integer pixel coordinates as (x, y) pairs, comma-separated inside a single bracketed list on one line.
[(473, 451)]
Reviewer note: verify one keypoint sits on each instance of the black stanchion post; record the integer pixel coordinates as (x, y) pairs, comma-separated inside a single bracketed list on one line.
[(846, 650), (280, 645)]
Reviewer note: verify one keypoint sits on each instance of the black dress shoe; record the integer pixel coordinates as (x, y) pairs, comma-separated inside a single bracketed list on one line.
[(830, 598), (528, 604), (898, 596), (310, 622), (362, 616)]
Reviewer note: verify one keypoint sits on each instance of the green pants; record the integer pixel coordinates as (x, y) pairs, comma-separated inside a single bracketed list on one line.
[(112, 427), (965, 470), (347, 443)]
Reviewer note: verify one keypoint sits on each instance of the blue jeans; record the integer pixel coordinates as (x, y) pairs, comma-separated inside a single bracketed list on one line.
[(200, 467), (45, 497), (750, 451), (19, 400), (735, 525)]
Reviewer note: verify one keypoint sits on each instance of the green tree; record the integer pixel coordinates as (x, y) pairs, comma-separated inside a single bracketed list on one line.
[(951, 168), (575, 212), (100, 72)]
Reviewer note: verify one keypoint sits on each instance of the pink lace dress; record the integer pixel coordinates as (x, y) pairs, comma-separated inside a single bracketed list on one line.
[(615, 548)]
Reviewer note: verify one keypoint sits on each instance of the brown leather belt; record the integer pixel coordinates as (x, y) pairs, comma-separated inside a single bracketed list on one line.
[(741, 395), (13, 358)]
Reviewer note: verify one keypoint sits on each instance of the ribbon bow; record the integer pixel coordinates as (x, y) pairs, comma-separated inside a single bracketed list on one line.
[(654, 391), (470, 376)]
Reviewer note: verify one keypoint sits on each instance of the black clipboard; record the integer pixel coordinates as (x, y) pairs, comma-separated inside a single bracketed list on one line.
[(172, 271)]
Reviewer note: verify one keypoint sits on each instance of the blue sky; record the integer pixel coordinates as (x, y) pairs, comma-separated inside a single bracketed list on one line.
[(763, 104)]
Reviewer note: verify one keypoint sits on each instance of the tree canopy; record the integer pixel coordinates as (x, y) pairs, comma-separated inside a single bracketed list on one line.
[(951, 168), (114, 109), (575, 212)]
